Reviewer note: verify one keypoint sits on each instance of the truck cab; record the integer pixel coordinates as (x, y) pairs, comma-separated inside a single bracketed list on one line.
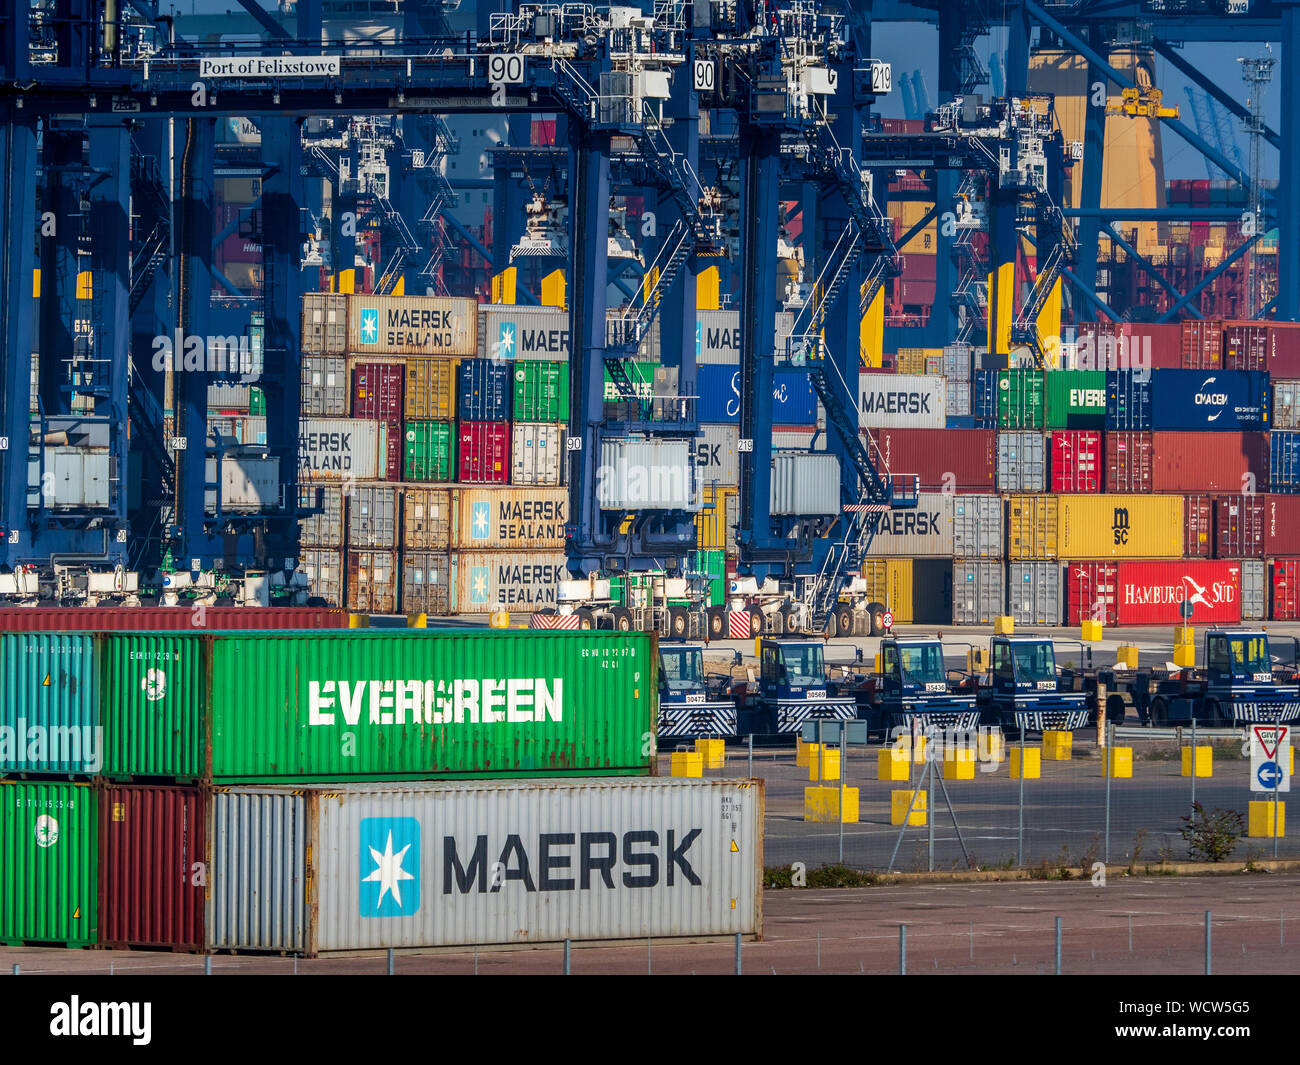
[(913, 685), (693, 704), (1237, 686), (793, 688), (1024, 690)]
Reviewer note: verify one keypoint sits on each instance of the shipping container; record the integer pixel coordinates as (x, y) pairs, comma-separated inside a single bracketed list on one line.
[(1022, 462), (1198, 526), (372, 582), (1020, 399), (1076, 464), (426, 583), (977, 592), (229, 399), (49, 851), (1286, 405), (341, 449), (483, 452), (513, 519), (1129, 345), (426, 519), (1223, 401), (483, 390), (1286, 590), (1209, 462), (960, 460), (926, 530), (377, 391), (1121, 526), (900, 401), (977, 526), (1128, 400), (641, 376), (526, 581), (1270, 346), (151, 842), (1284, 462), (477, 702), (1202, 344), (428, 454), (793, 400), (541, 392), (1074, 399), (323, 568), (717, 337), (394, 452), (1239, 523), (715, 524), (1034, 593), (1151, 593), (412, 325), (510, 331), (49, 713), (1254, 589), (646, 475), (959, 402), (717, 458), (804, 483), (1128, 462), (1281, 525), (166, 618), (1090, 592), (372, 517), (537, 452), (429, 392), (324, 323), (1033, 524)]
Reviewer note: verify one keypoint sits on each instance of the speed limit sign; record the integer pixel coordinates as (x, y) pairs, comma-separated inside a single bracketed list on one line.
[(887, 619)]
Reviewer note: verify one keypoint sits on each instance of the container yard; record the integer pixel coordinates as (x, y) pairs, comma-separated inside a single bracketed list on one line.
[(513, 477)]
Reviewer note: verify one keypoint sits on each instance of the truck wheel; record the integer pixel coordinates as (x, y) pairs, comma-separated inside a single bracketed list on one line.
[(586, 619), (1159, 713), (622, 619), (678, 622), (1214, 716), (717, 622), (843, 621), (1115, 710), (755, 621), (876, 615)]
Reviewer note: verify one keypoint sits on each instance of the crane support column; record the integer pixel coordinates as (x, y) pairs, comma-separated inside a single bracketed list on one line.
[(1288, 268)]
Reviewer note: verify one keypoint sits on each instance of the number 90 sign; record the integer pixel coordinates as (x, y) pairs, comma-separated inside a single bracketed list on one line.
[(506, 69)]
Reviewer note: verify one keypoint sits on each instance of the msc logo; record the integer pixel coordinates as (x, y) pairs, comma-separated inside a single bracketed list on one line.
[(506, 334), (390, 866), (154, 684), (1120, 525), (481, 521), (478, 585), (47, 831), (369, 326)]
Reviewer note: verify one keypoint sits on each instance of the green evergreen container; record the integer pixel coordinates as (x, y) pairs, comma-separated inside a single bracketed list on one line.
[(1076, 399), (430, 448), (49, 863), (642, 376), (351, 704), (541, 392), (1020, 399)]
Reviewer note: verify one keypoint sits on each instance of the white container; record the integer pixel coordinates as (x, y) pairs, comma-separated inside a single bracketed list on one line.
[(230, 398), (323, 569), (325, 390), (902, 401), (515, 519), (646, 475), (79, 478), (324, 323), (341, 449), (525, 581), (919, 532), (536, 451), (805, 483), (509, 331), (323, 529), (977, 526), (249, 483), (717, 461)]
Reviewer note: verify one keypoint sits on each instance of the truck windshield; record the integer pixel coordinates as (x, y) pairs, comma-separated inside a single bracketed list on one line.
[(1035, 662), (1250, 655), (922, 665), (683, 670), (804, 665)]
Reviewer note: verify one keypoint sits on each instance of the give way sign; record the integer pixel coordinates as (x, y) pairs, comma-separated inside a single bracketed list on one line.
[(1270, 758)]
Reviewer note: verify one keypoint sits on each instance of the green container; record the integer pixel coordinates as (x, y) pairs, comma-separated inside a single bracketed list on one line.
[(342, 705), (429, 451), (49, 863), (714, 565), (49, 716), (256, 402), (1020, 399), (541, 392), (1076, 399), (153, 700), (642, 376)]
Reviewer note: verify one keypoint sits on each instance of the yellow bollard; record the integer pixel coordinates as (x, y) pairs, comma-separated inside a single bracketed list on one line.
[(1260, 820), (417, 621), (1185, 656), (358, 621), (1058, 746), (891, 764), (824, 765), (687, 764), (899, 801), (823, 804), (1184, 635), (992, 747), (1204, 760), (1119, 761), (959, 764), (1004, 626), (904, 745), (1033, 763), (758, 648), (1091, 631), (1126, 655), (803, 752), (499, 619), (714, 753)]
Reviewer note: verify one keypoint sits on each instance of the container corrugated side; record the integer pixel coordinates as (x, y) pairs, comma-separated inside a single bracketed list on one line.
[(340, 449), (977, 592), (977, 526), (154, 691), (515, 519), (527, 581), (1121, 526), (902, 401), (1281, 525), (151, 842), (611, 859), (412, 325), (1034, 593), (1033, 524), (717, 455), (1022, 462), (923, 530), (426, 518), (804, 483), (509, 331), (324, 528), (1150, 593), (1209, 462), (962, 460), (49, 707), (49, 854), (258, 873), (1074, 399), (167, 618), (474, 703), (646, 475)]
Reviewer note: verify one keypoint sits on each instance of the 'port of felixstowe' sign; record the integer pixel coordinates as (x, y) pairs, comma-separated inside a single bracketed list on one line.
[(269, 66)]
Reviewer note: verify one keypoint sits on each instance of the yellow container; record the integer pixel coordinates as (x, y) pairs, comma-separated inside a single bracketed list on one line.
[(1120, 526), (1033, 763), (1091, 631), (899, 801), (891, 764), (1204, 761), (712, 526), (959, 764), (804, 751), (992, 746), (823, 804), (1185, 655), (1260, 819), (1004, 626), (1126, 655), (1058, 746), (889, 581), (1119, 760), (1032, 526), (714, 753), (688, 764), (825, 765)]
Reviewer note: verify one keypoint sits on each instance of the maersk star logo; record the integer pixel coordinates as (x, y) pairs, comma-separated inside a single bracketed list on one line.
[(699, 338), (482, 520), (390, 866), (369, 326), (506, 341), (478, 584)]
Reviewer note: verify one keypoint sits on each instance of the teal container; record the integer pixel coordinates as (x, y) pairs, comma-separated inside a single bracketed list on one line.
[(49, 713)]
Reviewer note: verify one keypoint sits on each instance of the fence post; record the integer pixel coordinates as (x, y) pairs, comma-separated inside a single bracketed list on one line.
[(738, 960), (1020, 829), (1208, 951), (1058, 946), (902, 950), (843, 770), (566, 958), (1107, 765), (750, 772)]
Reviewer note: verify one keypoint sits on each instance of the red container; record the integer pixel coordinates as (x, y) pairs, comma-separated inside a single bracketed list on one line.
[(1076, 461), (1090, 592), (1129, 345), (377, 391), (1202, 345), (1128, 462), (151, 845), (1239, 527), (1151, 593), (167, 618), (484, 452), (1281, 525), (918, 266), (1286, 589), (1209, 462), (1198, 526), (396, 445), (1271, 346), (917, 293), (957, 460)]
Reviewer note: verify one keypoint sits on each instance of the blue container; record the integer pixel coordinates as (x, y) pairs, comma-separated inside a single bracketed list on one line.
[(1128, 400), (483, 390), (985, 400), (1222, 400), (963, 421), (793, 400), (49, 713), (1284, 463)]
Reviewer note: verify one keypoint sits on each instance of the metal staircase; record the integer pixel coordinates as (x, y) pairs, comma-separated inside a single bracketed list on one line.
[(1025, 327)]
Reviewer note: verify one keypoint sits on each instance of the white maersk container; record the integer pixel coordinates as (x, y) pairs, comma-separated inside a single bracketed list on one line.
[(341, 449), (902, 401), (621, 858), (646, 475), (919, 532)]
